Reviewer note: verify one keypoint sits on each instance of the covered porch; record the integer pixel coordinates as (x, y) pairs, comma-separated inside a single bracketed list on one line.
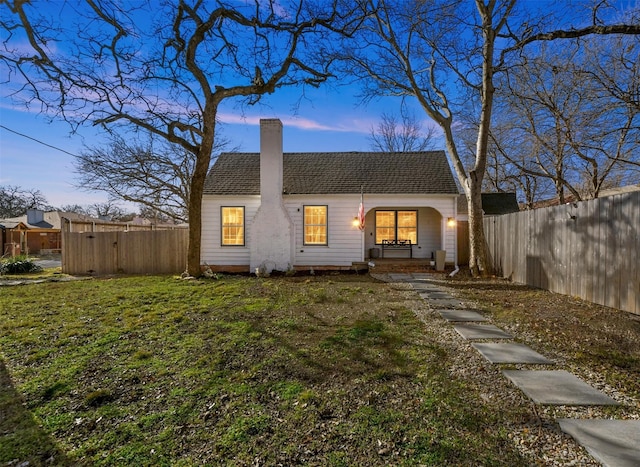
[(410, 236)]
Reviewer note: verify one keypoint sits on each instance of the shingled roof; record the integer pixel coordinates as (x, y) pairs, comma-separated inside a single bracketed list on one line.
[(493, 204), (337, 172)]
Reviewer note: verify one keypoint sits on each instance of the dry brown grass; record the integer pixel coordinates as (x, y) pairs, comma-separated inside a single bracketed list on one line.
[(588, 337)]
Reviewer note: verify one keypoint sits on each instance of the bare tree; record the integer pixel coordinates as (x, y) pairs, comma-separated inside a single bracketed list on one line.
[(75, 208), (154, 174), (166, 67), (443, 54), (406, 135), (15, 201), (110, 210), (517, 176), (154, 215), (572, 109)]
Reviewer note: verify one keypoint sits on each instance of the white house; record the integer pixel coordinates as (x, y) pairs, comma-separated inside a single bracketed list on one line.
[(275, 211)]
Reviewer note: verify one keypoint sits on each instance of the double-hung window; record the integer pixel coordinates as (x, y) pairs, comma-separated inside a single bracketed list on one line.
[(232, 225), (315, 225), (397, 225)]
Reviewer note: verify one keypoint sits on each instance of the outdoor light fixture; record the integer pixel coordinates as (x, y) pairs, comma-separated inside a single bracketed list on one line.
[(451, 222), (355, 222)]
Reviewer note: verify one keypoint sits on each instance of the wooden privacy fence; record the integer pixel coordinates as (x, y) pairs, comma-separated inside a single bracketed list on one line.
[(125, 252), (587, 249)]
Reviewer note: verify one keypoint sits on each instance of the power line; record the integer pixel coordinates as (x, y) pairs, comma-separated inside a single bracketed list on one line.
[(37, 141)]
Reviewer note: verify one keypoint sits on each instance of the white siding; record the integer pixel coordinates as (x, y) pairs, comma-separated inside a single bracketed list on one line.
[(212, 250), (346, 243)]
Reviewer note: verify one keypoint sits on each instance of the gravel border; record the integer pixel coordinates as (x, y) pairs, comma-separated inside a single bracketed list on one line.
[(540, 438)]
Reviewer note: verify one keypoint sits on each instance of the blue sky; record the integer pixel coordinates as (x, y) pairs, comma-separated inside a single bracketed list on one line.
[(331, 119), (325, 119)]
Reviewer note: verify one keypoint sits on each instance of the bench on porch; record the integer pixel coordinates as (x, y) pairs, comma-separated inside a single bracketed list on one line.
[(397, 245)]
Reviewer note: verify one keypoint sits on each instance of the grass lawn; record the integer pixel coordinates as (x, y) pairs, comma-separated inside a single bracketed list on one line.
[(325, 370)]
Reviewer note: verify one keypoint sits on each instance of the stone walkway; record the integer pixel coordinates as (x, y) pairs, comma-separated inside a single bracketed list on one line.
[(613, 443)]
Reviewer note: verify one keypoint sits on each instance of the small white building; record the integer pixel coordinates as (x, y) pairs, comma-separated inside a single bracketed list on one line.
[(275, 211)]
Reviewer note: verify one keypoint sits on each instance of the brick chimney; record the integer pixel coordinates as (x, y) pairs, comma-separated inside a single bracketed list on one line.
[(271, 228)]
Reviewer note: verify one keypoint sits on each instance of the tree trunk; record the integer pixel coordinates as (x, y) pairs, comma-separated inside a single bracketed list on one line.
[(200, 171), (479, 263), (479, 259), (195, 226)]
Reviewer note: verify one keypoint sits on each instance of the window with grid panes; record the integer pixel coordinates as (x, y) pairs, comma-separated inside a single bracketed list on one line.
[(315, 225), (397, 225), (232, 225)]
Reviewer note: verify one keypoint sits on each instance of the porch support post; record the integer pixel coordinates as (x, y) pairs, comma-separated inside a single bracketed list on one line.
[(455, 232)]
